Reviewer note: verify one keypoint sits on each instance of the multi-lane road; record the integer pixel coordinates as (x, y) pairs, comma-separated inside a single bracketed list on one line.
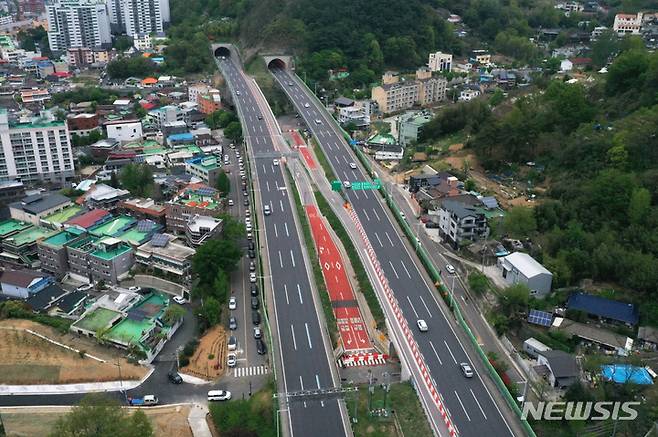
[(302, 349), (469, 401)]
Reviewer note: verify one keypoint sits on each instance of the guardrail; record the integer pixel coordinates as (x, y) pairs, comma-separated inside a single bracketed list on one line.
[(436, 277)]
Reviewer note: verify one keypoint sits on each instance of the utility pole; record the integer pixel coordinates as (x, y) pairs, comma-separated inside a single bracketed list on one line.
[(387, 386), (125, 395), (371, 390)]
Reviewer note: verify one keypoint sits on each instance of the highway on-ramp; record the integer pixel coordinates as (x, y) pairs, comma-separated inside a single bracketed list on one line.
[(306, 362), (469, 401)]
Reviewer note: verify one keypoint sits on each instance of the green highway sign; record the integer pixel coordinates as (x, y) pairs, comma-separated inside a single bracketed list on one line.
[(336, 185), (365, 185)]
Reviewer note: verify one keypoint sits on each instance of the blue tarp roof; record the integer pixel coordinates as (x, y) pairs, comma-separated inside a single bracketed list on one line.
[(181, 137), (602, 307)]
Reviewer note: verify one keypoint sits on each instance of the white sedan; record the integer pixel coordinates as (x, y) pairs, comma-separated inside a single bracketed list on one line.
[(179, 300), (232, 303)]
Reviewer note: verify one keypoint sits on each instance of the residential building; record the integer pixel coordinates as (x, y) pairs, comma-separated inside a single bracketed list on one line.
[(603, 309), (428, 180), (103, 148), (11, 190), (79, 57), (566, 65), (206, 168), (358, 114), (92, 259), (534, 347), (481, 57), (460, 222), (52, 252), (34, 150), (23, 283), (207, 98), (164, 254), (521, 268), (597, 32), (562, 369), (605, 339), (395, 95), (200, 228), (35, 95), (166, 114), (195, 199), (113, 228), (389, 153), (21, 247), (648, 337), (410, 125), (125, 131), (142, 41), (42, 300), (77, 23), (88, 220), (469, 93), (104, 197), (628, 24), (82, 124), (136, 17), (33, 208), (439, 61), (144, 209)]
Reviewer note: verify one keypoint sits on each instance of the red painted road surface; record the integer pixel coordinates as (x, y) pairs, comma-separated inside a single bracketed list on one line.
[(303, 149), (348, 317)]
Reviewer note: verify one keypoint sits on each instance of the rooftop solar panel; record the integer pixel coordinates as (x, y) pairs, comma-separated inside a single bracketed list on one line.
[(541, 318), (144, 225), (206, 191), (159, 240)]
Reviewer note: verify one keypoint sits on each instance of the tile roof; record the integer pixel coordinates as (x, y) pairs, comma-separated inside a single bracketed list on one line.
[(602, 307), (38, 203), (89, 219), (20, 278)]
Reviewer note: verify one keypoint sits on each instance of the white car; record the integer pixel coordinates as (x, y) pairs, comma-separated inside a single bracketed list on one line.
[(237, 93), (306, 105), (467, 370), (242, 173), (450, 269), (275, 162), (318, 121), (347, 184), (232, 303), (267, 210), (352, 166), (85, 287), (252, 277), (231, 360), (179, 300), (219, 395), (230, 202), (135, 289), (422, 325), (403, 215), (248, 228)]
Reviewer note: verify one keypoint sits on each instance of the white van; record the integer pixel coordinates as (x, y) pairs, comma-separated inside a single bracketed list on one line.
[(219, 395)]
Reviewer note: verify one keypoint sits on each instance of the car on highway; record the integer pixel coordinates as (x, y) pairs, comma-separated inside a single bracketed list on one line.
[(231, 360), (352, 166), (347, 184), (245, 202), (267, 210), (422, 325), (254, 290), (255, 303), (450, 269), (258, 333), (237, 93), (230, 202), (250, 236), (318, 121), (242, 173), (467, 370), (252, 277), (174, 378), (261, 349), (219, 395), (275, 162), (252, 266), (245, 193), (85, 287), (232, 323), (291, 84), (180, 300), (248, 227), (403, 215), (260, 117), (232, 343), (306, 105), (255, 317), (232, 303), (251, 253)]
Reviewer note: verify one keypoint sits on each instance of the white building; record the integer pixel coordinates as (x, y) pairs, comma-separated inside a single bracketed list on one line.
[(138, 16), (35, 149), (468, 94), (167, 114), (125, 131), (389, 153), (440, 62), (201, 228), (142, 41), (566, 65), (77, 23), (359, 114), (521, 268), (626, 24)]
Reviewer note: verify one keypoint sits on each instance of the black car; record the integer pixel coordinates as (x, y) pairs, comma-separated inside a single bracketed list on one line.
[(254, 303), (252, 246), (260, 347), (246, 202), (252, 254), (254, 290), (255, 317), (232, 324), (174, 378)]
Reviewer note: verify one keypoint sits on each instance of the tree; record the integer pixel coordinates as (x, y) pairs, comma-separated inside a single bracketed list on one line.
[(99, 416), (173, 313), (626, 73), (124, 68), (233, 131), (520, 222), (211, 311), (215, 255), (122, 43), (223, 183), (138, 179), (478, 283), (114, 180), (514, 299)]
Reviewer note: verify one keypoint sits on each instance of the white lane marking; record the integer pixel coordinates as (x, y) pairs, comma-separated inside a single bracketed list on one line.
[(378, 239), (281, 204), (299, 292), (436, 353), (478, 402), (264, 171), (280, 260), (355, 194), (267, 184), (376, 215), (308, 337), (405, 268), (394, 271), (345, 159), (389, 238), (317, 380), (412, 306), (294, 340), (460, 403), (366, 213), (276, 232), (425, 305), (292, 258), (285, 290), (301, 383), (286, 226), (447, 347)]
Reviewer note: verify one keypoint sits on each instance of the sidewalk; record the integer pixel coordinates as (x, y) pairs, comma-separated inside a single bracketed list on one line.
[(197, 420), (60, 389)]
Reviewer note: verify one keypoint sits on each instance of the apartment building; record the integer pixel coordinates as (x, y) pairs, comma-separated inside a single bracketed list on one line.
[(35, 150), (195, 199), (461, 220), (52, 252), (164, 254), (410, 125), (396, 95), (77, 23), (125, 131), (166, 114), (439, 61), (80, 57), (93, 259), (206, 168), (136, 17), (201, 228), (628, 24)]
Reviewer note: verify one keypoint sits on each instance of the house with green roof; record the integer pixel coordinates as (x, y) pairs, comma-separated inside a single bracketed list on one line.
[(113, 228), (52, 251), (11, 227), (57, 219), (21, 247), (93, 259), (195, 199)]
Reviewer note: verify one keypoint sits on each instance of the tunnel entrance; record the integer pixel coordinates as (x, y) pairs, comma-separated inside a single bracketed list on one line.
[(276, 63), (222, 51)]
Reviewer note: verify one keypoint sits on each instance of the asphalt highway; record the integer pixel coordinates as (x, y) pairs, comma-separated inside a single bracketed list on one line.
[(304, 358), (471, 405)]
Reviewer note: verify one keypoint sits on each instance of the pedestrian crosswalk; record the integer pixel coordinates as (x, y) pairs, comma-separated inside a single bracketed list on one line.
[(239, 372)]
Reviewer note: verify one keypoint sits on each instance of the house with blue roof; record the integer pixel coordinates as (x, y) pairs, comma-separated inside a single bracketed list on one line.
[(607, 310)]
